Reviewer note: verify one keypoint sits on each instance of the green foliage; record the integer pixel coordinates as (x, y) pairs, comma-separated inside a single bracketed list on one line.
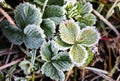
[(89, 36), (70, 33), (1, 76), (88, 19), (34, 36), (63, 32), (51, 2), (26, 14), (13, 33), (27, 29), (49, 27), (61, 44), (81, 11), (55, 63), (78, 54), (55, 13)]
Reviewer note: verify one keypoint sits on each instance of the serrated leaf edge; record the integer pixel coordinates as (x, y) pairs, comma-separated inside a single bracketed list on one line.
[(94, 30), (84, 60)]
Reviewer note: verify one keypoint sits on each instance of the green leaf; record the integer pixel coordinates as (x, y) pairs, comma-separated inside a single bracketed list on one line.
[(78, 54), (79, 9), (1, 76), (62, 61), (57, 20), (81, 25), (26, 14), (61, 44), (90, 57), (49, 70), (48, 51), (69, 31), (34, 36), (49, 27), (51, 2), (89, 36), (11, 32), (88, 19), (86, 8), (54, 11)]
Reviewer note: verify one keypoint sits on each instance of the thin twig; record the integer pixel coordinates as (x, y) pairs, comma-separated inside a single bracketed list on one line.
[(7, 16), (106, 22), (8, 57), (10, 64), (6, 52), (68, 74), (102, 75)]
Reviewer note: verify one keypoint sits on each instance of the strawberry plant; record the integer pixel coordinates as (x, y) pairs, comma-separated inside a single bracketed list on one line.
[(61, 30)]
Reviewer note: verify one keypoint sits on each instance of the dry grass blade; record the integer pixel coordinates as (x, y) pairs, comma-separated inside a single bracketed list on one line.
[(7, 16), (106, 22), (10, 64)]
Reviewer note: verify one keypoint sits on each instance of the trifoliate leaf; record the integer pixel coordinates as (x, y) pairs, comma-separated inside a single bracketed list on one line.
[(62, 61), (51, 2), (78, 54), (34, 36), (69, 31), (89, 36), (46, 51), (49, 27), (61, 44), (50, 70), (26, 66), (11, 32), (25, 14), (88, 19), (54, 11)]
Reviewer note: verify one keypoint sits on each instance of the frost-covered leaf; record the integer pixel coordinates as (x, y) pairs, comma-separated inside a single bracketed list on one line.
[(86, 8), (90, 57), (11, 32), (62, 61), (78, 54), (27, 13), (50, 70), (34, 36), (51, 2), (57, 20), (26, 66), (49, 27), (79, 9), (61, 44), (69, 31), (88, 19), (81, 25), (54, 11), (89, 36), (46, 51)]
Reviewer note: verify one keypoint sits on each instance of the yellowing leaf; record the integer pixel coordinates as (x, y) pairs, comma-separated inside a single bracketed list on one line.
[(78, 54), (69, 31), (89, 36)]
